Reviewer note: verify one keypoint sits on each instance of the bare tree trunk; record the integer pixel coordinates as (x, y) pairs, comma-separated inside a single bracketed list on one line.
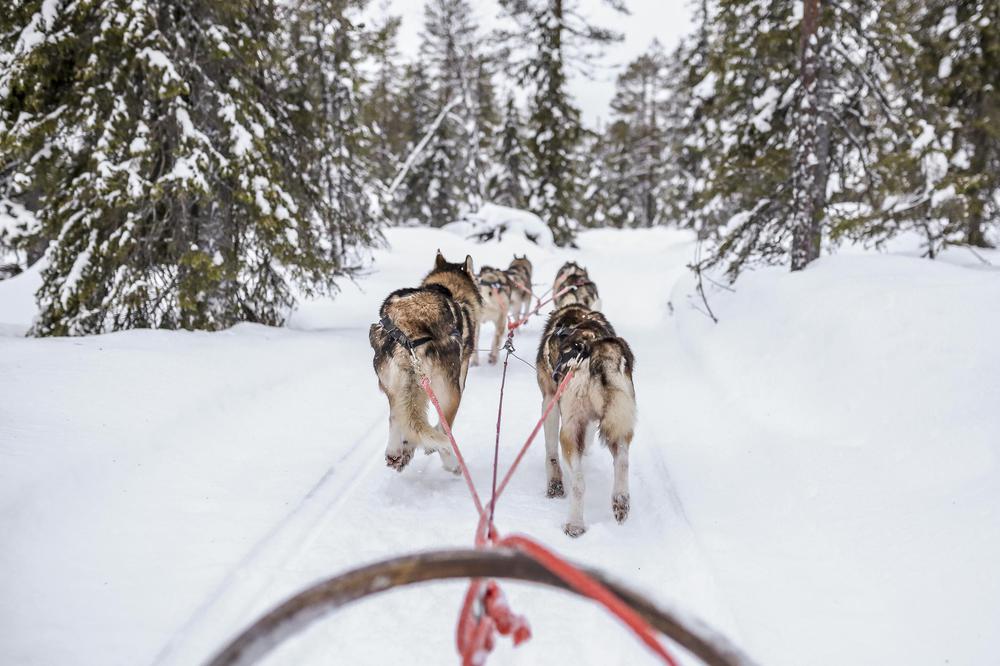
[(812, 151)]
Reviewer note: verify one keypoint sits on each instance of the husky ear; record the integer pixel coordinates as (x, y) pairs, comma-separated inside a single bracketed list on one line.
[(468, 265), (439, 260)]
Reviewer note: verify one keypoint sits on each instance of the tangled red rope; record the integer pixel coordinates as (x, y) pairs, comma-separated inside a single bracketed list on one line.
[(485, 612)]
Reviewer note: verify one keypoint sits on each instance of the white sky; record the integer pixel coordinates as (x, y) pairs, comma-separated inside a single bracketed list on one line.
[(666, 20)]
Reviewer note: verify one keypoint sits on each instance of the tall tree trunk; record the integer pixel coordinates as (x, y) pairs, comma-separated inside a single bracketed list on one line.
[(977, 195), (812, 150)]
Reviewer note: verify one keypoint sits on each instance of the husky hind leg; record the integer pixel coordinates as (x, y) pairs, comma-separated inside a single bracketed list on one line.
[(619, 494), (553, 472), (572, 438), (449, 397)]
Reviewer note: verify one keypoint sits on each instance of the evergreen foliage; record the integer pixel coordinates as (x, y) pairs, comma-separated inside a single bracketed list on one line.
[(165, 164), (556, 37)]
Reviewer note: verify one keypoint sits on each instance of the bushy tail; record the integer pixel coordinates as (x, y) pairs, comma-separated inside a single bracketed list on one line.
[(619, 417)]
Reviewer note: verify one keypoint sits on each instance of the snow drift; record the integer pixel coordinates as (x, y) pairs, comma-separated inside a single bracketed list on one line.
[(816, 475)]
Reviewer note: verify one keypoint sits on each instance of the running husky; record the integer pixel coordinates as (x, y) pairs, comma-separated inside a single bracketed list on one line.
[(600, 397), (573, 285), (495, 290), (566, 271), (519, 274), (432, 329)]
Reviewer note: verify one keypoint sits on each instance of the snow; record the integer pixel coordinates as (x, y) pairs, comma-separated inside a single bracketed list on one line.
[(944, 67), (816, 475), (764, 105), (493, 222)]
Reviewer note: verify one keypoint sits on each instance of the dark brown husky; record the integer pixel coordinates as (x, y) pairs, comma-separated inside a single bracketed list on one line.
[(432, 329), (600, 396)]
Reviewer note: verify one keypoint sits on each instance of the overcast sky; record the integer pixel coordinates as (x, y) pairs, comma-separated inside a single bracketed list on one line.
[(665, 20)]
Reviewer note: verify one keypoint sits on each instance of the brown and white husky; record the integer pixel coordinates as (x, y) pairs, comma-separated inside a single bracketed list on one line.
[(431, 329), (599, 397), (495, 290), (519, 273), (573, 285)]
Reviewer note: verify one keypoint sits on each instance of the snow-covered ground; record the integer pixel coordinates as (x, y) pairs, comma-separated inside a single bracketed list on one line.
[(816, 475)]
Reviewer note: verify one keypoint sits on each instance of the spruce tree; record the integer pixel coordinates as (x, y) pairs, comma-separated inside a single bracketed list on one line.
[(793, 112), (959, 65), (340, 154), (508, 183), (418, 109), (165, 163), (637, 140), (452, 178), (383, 105), (557, 37)]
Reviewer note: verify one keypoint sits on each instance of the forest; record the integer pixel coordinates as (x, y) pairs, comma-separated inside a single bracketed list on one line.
[(195, 163)]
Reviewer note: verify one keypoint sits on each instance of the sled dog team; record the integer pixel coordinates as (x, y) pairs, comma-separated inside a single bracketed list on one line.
[(433, 330)]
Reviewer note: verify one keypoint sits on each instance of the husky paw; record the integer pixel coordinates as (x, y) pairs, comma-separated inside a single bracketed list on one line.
[(398, 461), (474, 360), (450, 464), (555, 489), (493, 359), (620, 506), (573, 530)]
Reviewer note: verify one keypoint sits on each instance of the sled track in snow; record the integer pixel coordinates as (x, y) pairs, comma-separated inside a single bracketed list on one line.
[(233, 600)]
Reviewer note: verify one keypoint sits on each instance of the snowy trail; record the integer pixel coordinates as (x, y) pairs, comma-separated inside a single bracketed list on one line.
[(247, 584), (181, 484), (380, 504)]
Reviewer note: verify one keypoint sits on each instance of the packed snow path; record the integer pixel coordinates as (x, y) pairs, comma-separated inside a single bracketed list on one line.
[(816, 476)]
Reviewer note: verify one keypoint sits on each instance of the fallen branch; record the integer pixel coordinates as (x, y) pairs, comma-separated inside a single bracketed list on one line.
[(415, 153)]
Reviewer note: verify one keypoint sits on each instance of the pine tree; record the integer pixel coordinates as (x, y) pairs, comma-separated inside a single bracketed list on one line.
[(959, 63), (608, 198), (382, 107), (508, 183), (327, 43), (451, 176), (557, 37), (793, 115), (166, 164), (418, 109), (637, 140)]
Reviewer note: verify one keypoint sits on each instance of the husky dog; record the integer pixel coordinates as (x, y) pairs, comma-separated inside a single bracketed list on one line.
[(573, 285), (495, 290), (519, 274), (432, 329), (578, 290), (600, 397), (568, 270)]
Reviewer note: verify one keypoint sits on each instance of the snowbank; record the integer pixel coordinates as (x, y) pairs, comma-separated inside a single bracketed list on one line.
[(492, 222), (17, 301)]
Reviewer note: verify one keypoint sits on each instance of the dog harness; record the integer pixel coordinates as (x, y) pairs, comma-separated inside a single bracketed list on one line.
[(396, 334), (577, 352), (402, 338)]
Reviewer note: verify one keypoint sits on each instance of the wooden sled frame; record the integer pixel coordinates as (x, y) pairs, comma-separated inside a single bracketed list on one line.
[(323, 598)]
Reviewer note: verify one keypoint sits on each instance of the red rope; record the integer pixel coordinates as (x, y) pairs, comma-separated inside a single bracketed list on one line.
[(513, 325), (425, 383), (524, 449), (586, 585)]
